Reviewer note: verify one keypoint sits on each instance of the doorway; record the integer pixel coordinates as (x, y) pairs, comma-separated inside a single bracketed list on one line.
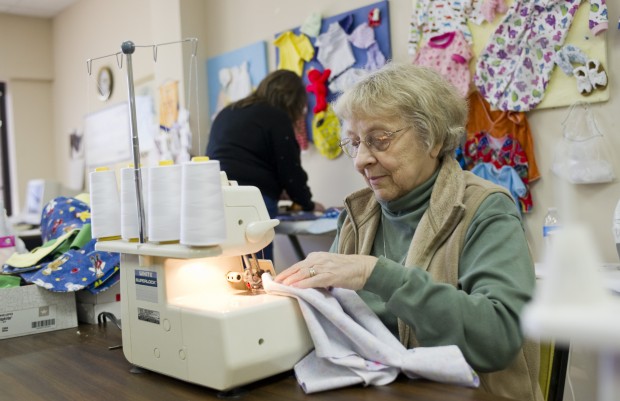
[(5, 187)]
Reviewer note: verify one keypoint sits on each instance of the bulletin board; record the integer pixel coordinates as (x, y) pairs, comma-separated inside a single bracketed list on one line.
[(360, 15), (256, 57), (562, 89), (108, 137)]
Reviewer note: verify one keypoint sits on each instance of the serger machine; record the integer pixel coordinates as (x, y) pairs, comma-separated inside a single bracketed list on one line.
[(188, 313)]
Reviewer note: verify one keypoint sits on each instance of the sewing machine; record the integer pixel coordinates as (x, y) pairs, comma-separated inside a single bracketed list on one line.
[(188, 313)]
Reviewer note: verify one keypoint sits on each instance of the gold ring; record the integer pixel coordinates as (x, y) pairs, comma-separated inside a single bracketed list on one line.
[(312, 272)]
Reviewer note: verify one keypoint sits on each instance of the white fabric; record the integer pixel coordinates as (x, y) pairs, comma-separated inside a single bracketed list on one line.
[(347, 79), (352, 346), (334, 50)]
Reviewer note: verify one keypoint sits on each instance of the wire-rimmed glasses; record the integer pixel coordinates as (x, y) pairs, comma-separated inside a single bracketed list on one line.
[(377, 141)]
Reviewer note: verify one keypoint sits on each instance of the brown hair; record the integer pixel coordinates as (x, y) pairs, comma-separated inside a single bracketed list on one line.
[(282, 89)]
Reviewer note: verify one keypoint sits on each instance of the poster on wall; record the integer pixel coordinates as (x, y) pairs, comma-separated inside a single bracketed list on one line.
[(347, 44), (108, 136), (234, 75)]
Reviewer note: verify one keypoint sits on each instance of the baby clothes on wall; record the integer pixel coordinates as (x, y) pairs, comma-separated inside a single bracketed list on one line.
[(498, 123), (483, 148), (294, 50), (506, 176), (448, 54), (363, 37), (513, 70), (334, 50), (436, 17)]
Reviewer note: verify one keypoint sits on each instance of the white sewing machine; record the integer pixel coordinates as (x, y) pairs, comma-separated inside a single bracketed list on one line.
[(185, 316)]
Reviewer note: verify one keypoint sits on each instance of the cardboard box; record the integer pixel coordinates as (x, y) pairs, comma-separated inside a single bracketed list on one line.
[(88, 313), (31, 309), (90, 305)]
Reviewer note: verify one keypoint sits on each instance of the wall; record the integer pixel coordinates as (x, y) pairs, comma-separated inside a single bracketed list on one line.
[(85, 30), (27, 69), (331, 180), (90, 29)]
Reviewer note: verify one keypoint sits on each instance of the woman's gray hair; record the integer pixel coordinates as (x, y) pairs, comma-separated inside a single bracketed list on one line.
[(418, 96)]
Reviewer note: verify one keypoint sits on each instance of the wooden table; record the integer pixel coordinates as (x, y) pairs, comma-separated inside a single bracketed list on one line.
[(77, 364)]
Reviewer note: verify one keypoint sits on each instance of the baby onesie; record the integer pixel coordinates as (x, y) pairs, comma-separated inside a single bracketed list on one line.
[(435, 17), (498, 123), (514, 69), (294, 50), (334, 50), (483, 148), (449, 55), (506, 176)]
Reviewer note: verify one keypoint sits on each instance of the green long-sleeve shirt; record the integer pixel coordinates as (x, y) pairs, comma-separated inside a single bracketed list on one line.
[(496, 279)]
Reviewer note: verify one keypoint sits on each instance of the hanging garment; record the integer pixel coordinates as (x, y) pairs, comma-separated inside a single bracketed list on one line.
[(449, 55), (515, 67), (311, 25), (334, 50), (490, 8), (498, 123), (294, 51), (374, 58), (326, 133), (483, 148), (436, 17), (346, 79), (506, 176), (362, 36), (318, 87)]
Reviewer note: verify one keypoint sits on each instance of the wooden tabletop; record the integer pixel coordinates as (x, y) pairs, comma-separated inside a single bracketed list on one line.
[(77, 364)]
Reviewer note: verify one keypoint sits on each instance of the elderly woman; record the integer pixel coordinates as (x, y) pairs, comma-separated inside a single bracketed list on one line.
[(439, 254)]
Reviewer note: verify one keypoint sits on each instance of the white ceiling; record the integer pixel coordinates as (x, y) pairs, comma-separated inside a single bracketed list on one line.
[(34, 8)]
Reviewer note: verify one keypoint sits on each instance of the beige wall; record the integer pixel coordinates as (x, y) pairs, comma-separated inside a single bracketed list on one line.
[(91, 28), (26, 67), (32, 125)]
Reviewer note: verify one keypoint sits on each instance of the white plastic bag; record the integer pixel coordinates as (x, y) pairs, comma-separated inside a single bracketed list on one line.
[(580, 156)]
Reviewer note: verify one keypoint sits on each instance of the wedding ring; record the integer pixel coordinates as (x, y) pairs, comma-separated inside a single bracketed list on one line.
[(312, 272)]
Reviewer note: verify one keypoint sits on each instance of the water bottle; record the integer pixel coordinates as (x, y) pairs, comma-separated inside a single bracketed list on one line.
[(550, 224)]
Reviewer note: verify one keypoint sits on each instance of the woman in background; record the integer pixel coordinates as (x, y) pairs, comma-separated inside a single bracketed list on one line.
[(254, 141)]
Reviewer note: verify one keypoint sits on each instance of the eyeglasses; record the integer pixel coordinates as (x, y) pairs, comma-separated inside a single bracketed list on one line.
[(377, 141)]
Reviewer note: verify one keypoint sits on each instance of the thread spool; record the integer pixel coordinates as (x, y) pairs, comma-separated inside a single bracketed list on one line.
[(105, 208), (164, 198), (130, 224), (203, 220)]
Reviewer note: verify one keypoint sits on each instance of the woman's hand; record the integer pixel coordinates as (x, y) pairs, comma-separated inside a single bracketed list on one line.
[(325, 269)]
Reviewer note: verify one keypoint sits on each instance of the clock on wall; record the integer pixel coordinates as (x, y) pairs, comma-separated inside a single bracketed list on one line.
[(105, 83)]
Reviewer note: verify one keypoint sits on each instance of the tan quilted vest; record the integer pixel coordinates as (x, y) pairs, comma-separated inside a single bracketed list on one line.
[(437, 244)]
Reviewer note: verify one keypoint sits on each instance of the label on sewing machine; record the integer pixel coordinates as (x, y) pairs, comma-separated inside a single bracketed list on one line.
[(147, 315), (146, 285)]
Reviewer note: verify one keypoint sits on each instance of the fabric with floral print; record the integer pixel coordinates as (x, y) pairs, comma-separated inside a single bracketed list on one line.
[(436, 17), (483, 148), (514, 69)]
